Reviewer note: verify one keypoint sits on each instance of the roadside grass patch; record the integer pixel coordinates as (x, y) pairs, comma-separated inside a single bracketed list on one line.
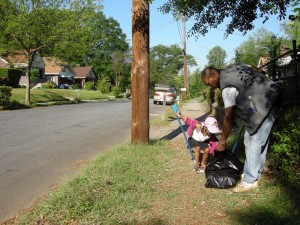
[(55, 95), (114, 188), (166, 118)]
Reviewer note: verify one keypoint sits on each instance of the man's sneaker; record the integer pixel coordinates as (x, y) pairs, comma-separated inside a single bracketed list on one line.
[(244, 187)]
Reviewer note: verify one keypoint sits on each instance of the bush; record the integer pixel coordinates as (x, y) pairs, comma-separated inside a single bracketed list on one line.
[(10, 76), (89, 86), (116, 91), (75, 86), (103, 85), (284, 152), (5, 94), (49, 85)]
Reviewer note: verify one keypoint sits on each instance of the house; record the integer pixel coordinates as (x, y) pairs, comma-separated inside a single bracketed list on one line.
[(58, 72), (262, 62), (83, 75), (19, 60)]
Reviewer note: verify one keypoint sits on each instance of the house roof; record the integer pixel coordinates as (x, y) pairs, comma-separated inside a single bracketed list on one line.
[(17, 58), (52, 65), (82, 72)]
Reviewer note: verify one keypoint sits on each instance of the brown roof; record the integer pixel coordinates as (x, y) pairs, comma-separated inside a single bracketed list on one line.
[(52, 65), (82, 72), (17, 58)]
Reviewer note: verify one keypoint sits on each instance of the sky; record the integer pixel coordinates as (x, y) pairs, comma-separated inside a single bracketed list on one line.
[(164, 30)]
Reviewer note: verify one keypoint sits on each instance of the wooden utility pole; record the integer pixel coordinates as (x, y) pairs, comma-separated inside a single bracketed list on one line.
[(185, 59), (140, 75)]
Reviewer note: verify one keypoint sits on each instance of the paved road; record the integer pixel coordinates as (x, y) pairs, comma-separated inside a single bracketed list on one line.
[(42, 147)]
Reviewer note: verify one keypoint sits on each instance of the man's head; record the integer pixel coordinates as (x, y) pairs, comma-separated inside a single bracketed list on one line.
[(210, 77)]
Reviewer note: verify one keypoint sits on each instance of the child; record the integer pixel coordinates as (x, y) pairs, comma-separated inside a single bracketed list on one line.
[(212, 126), (199, 138)]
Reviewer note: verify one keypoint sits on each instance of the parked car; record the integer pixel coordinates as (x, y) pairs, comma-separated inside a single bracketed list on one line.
[(161, 93)]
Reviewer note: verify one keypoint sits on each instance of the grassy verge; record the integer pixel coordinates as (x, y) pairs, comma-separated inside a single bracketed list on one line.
[(53, 95), (155, 184)]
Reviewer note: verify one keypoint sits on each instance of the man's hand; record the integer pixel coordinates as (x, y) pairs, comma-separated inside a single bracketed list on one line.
[(220, 147)]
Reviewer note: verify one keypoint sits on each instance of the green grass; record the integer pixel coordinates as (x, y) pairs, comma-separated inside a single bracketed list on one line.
[(127, 183), (150, 184), (116, 184), (55, 95)]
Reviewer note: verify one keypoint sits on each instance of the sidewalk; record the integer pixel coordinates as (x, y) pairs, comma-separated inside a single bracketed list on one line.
[(193, 109)]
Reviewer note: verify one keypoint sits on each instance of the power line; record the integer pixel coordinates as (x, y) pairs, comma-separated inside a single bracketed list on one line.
[(200, 46), (160, 26)]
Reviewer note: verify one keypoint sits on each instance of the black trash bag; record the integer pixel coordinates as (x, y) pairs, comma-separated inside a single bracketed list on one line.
[(224, 172)]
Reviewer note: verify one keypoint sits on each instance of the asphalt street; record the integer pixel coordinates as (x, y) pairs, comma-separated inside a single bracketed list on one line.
[(41, 148)]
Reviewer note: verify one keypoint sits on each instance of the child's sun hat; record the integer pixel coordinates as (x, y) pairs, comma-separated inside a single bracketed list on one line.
[(212, 125)]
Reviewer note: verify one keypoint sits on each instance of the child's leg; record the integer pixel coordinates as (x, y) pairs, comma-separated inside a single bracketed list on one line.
[(205, 156), (197, 154)]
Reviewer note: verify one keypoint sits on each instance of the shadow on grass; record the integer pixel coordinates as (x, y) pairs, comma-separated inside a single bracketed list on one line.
[(279, 206)]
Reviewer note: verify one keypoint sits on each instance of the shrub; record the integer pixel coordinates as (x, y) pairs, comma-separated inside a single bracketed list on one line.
[(34, 74), (10, 76), (75, 86), (89, 85), (103, 85), (116, 91), (5, 94), (284, 152), (49, 85)]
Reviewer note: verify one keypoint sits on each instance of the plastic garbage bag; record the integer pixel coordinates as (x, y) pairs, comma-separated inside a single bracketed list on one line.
[(224, 171)]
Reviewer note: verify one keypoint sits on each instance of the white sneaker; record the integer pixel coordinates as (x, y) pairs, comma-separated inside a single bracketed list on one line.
[(244, 187)]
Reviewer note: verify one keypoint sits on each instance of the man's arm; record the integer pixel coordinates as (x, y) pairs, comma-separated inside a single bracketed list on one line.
[(227, 125)]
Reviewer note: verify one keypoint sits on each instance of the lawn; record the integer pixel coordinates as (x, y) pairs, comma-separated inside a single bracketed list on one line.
[(55, 95)]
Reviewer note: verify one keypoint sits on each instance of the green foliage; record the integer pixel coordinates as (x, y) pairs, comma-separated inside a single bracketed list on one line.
[(75, 86), (285, 151), (216, 57), (5, 94), (34, 75), (89, 86), (208, 14), (106, 37), (49, 85), (260, 43), (116, 91), (56, 27), (10, 76), (166, 63), (195, 85), (103, 85)]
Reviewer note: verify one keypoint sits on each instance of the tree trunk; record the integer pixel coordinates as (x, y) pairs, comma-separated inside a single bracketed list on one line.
[(27, 96), (140, 72)]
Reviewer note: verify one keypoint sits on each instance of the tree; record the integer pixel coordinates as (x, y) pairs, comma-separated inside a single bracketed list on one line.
[(211, 13), (292, 31), (195, 84), (216, 57), (165, 64), (31, 26), (107, 37), (118, 64), (261, 43)]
